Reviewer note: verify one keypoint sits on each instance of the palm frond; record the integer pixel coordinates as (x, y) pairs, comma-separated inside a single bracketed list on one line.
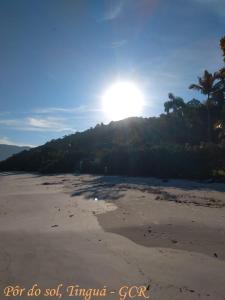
[(195, 87)]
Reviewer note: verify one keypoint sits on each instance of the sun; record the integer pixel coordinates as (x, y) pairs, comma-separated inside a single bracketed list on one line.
[(121, 100)]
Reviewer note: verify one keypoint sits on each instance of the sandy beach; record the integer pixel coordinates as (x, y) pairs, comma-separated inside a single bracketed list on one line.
[(96, 231)]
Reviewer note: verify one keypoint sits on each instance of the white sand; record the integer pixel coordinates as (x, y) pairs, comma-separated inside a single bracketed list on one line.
[(175, 244)]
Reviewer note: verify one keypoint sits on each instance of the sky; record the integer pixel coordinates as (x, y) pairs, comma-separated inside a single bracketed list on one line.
[(57, 57)]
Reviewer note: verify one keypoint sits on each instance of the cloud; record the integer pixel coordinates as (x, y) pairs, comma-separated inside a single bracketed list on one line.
[(69, 110), (7, 141), (48, 110), (48, 119), (48, 124), (118, 44), (113, 12)]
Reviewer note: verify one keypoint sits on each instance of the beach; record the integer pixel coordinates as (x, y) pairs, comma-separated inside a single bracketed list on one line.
[(108, 232)]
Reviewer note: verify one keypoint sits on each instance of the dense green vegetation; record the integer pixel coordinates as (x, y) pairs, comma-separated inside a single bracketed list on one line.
[(187, 141)]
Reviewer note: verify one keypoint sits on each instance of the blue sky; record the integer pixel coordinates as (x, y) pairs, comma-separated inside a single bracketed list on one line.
[(57, 58)]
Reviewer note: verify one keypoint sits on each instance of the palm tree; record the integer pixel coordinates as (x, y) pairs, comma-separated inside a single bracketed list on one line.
[(176, 104), (206, 85), (222, 46), (221, 73), (220, 86)]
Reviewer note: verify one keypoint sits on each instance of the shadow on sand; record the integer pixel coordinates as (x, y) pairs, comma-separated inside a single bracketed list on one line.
[(113, 187)]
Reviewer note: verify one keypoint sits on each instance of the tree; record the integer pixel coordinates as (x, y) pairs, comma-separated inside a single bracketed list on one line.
[(176, 104), (194, 103), (220, 86), (222, 46), (206, 85)]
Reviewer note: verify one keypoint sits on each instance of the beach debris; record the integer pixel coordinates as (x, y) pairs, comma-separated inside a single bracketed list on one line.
[(215, 254), (163, 195), (55, 225), (174, 241), (96, 199), (51, 183), (70, 216), (189, 290)]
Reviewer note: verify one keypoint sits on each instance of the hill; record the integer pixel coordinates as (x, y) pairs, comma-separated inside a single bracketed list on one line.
[(8, 150), (164, 147)]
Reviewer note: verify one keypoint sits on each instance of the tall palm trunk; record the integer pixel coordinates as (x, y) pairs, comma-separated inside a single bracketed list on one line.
[(209, 121)]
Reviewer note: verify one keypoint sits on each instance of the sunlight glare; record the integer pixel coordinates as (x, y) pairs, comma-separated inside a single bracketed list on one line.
[(122, 100)]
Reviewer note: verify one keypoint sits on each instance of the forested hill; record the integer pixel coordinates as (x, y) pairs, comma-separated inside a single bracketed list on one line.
[(169, 145)]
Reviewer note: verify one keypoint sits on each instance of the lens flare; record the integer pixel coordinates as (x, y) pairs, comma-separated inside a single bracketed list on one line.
[(122, 100)]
